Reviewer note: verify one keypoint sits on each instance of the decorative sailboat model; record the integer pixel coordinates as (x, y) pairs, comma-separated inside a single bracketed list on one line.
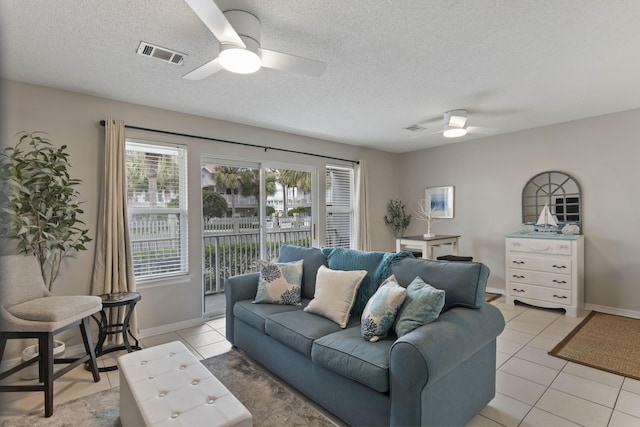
[(547, 223)]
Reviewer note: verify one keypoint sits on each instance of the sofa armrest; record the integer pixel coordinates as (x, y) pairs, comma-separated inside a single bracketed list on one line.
[(238, 288), (427, 354)]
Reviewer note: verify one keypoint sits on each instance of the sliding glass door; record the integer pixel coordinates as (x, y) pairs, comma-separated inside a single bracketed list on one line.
[(248, 211)]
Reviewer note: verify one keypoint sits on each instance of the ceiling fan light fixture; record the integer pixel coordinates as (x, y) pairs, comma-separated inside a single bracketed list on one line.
[(240, 60), (453, 132)]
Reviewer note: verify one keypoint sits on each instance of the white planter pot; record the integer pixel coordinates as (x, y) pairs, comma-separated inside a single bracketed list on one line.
[(31, 372)]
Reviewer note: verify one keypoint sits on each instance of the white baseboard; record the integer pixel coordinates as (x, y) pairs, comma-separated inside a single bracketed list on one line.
[(495, 290), (171, 327), (612, 310)]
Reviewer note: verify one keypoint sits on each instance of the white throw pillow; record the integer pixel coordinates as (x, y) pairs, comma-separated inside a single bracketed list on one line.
[(335, 294)]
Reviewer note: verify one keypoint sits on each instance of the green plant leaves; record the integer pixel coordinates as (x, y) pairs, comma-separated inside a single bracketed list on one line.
[(40, 203)]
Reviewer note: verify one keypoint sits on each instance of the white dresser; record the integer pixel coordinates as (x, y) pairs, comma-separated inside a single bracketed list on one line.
[(546, 271)]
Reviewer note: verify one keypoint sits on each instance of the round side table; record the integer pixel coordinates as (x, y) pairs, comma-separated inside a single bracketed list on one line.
[(110, 301)]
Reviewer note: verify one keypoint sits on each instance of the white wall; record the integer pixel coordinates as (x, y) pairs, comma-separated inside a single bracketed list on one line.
[(602, 154), (73, 119)]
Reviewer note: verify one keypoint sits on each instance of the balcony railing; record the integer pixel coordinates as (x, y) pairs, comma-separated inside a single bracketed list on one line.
[(231, 245), (228, 255)]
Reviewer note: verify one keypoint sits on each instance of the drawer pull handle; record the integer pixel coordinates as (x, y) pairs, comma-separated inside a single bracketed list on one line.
[(559, 266), (518, 277), (518, 290), (558, 281), (561, 297), (520, 262)]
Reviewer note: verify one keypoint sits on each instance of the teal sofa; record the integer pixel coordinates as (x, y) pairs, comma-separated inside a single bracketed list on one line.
[(440, 374)]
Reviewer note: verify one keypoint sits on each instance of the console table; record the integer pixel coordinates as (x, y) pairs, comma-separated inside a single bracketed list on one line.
[(426, 244)]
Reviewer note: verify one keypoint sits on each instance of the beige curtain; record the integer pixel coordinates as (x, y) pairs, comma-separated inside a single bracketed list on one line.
[(363, 236), (113, 270)]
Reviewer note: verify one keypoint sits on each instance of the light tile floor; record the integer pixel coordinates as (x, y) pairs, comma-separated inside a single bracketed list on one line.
[(533, 388)]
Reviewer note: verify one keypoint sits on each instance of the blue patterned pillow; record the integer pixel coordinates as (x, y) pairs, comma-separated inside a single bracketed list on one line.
[(381, 310), (422, 305), (279, 283)]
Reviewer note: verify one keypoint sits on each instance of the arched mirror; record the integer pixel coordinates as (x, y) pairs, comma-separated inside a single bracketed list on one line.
[(557, 190)]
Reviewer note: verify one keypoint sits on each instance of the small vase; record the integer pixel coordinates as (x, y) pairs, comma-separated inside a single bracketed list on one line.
[(428, 235), (31, 372)]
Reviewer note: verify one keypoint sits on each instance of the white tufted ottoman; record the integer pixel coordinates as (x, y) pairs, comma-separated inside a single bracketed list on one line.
[(167, 386)]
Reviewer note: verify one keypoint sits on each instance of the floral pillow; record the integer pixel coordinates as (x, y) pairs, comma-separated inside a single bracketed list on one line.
[(279, 283), (381, 310)]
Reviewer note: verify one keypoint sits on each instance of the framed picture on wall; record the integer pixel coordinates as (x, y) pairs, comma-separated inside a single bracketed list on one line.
[(441, 201)]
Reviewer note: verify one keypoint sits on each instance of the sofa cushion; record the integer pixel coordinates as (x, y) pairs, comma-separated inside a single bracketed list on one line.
[(279, 283), (256, 314), (463, 282), (335, 293), (377, 265), (313, 259), (381, 310), (297, 329), (422, 305), (346, 353)]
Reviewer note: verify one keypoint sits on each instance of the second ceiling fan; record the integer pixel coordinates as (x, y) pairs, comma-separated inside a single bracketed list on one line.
[(238, 32)]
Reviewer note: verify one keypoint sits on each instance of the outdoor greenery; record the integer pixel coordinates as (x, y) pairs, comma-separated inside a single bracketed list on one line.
[(239, 258), (299, 210), (213, 204), (397, 218), (40, 204)]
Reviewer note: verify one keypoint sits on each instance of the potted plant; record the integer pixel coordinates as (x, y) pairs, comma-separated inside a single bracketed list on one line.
[(397, 218), (40, 206)]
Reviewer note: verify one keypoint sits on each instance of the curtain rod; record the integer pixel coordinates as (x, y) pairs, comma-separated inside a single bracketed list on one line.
[(102, 123)]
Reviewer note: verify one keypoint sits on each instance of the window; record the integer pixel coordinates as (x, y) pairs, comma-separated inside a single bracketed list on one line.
[(339, 206), (157, 206)]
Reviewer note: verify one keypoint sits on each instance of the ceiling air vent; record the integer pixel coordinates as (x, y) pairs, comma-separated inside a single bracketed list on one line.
[(416, 128), (161, 53)]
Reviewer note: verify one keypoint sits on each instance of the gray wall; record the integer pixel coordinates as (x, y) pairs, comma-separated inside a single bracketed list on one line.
[(488, 174), (72, 119), (602, 154)]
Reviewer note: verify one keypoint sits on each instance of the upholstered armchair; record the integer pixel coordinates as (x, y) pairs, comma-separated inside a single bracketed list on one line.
[(29, 310)]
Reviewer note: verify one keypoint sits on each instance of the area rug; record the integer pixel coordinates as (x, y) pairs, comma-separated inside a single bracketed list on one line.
[(271, 402), (488, 296), (604, 341)]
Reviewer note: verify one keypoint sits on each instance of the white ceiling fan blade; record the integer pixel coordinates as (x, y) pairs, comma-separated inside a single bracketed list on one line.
[(292, 63), (481, 130), (205, 70), (214, 19)]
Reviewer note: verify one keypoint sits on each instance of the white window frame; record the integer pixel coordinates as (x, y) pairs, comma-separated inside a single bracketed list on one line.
[(182, 211)]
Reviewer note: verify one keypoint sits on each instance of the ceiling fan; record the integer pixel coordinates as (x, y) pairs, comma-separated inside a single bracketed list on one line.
[(238, 32), (455, 125)]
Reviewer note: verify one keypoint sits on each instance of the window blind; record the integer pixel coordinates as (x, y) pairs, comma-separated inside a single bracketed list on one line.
[(157, 207), (339, 206)]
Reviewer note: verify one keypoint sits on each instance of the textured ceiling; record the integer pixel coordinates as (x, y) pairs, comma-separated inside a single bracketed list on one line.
[(390, 64)]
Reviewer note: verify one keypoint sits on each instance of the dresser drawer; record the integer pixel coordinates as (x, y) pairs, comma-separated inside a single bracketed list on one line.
[(541, 263), (558, 296), (560, 281), (547, 246)]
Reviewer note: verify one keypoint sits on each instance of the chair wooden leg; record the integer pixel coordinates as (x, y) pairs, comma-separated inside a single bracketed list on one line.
[(46, 349), (3, 344), (88, 346)]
